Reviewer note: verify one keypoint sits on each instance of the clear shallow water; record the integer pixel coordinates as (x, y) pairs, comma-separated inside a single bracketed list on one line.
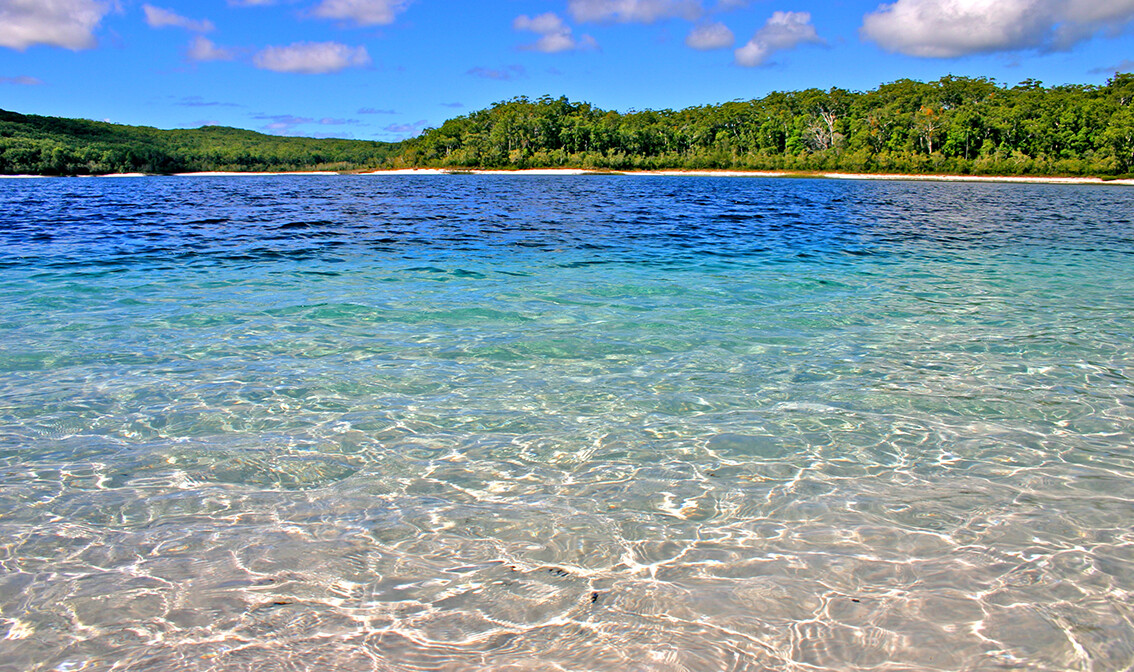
[(575, 423)]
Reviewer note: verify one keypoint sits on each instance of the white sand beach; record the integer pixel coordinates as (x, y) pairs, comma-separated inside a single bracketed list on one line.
[(654, 173), (218, 173), (975, 178), (745, 173), (710, 173), (478, 171)]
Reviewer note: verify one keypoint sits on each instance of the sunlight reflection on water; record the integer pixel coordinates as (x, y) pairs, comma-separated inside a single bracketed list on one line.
[(568, 423)]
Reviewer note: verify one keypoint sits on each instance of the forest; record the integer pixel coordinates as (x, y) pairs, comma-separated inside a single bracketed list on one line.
[(955, 125), (54, 146)]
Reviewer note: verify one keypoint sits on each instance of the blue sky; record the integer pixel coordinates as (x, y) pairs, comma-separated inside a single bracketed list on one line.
[(384, 69)]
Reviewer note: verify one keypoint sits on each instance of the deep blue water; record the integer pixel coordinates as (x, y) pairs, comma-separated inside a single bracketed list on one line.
[(579, 423)]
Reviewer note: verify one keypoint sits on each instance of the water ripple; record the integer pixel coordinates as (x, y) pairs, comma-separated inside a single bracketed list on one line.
[(481, 423)]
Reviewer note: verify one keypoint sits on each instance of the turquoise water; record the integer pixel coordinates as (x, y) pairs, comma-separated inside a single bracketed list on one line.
[(565, 423)]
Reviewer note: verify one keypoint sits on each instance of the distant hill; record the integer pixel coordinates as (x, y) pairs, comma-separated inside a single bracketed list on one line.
[(56, 146)]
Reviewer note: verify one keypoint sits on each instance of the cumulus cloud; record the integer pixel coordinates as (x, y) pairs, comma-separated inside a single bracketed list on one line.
[(634, 11), (710, 36), (61, 23), (203, 49), (311, 58), (952, 28), (785, 30), (1099, 11), (371, 110), (362, 12), (555, 35), (949, 28), (1084, 19), (22, 80), (156, 17)]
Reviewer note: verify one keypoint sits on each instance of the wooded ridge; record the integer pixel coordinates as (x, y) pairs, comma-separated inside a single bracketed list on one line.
[(55, 146)]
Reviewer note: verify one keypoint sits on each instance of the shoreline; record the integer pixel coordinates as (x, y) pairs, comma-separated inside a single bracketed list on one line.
[(551, 172), (228, 173), (1022, 179)]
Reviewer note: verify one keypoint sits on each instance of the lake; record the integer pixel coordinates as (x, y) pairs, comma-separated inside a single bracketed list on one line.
[(576, 423)]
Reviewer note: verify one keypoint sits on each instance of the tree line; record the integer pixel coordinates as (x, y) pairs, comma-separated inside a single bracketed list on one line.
[(953, 125), (958, 125)]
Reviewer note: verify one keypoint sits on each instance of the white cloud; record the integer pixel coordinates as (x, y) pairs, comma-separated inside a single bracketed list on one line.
[(952, 28), (710, 36), (1099, 11), (156, 17), (634, 11), (785, 30), (60, 23), (203, 49), (1086, 18), (312, 58), (362, 12), (948, 28), (545, 24), (555, 35)]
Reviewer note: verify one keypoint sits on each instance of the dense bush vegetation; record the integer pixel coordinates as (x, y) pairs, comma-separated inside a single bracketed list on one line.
[(954, 125), (53, 146)]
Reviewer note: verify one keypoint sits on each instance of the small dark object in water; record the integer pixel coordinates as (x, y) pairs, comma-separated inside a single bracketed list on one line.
[(281, 603), (855, 600), (594, 598), (559, 572)]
